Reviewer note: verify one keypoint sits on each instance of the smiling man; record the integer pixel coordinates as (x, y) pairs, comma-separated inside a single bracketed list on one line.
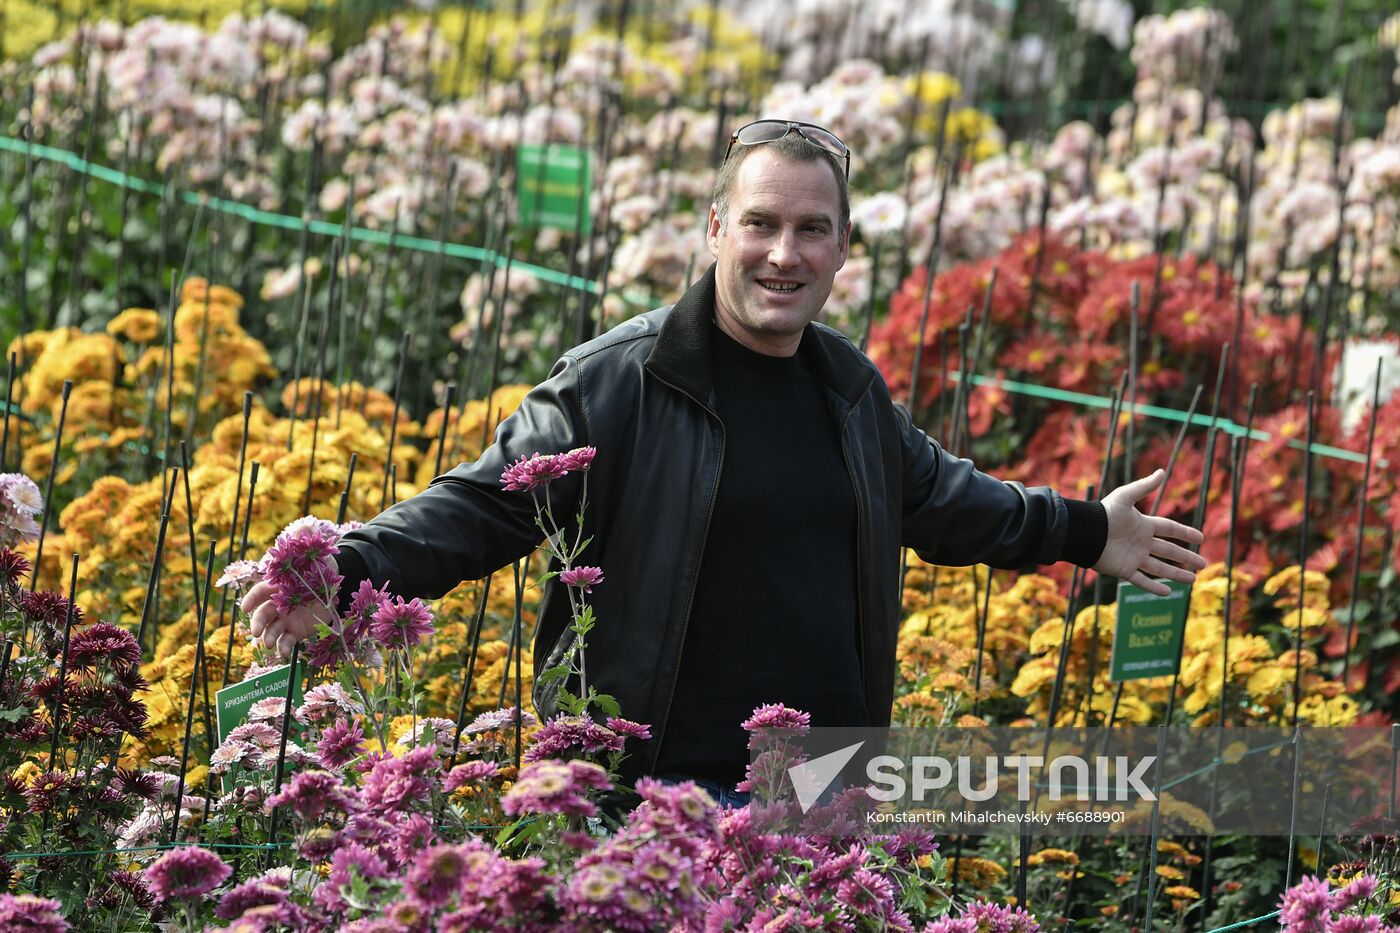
[(753, 487)]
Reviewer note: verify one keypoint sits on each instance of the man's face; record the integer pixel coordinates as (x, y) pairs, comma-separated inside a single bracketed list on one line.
[(778, 253)]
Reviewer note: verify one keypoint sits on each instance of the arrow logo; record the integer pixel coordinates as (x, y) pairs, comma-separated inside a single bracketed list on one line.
[(811, 779)]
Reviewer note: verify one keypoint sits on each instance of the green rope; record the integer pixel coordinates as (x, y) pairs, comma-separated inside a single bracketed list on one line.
[(75, 853), (287, 222), (1246, 923), (1156, 411), (1217, 762)]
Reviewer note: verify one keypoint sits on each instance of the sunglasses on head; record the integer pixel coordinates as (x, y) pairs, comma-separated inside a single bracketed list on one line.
[(767, 131)]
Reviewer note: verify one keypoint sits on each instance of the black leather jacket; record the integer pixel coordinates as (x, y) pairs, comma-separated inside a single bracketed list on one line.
[(641, 394)]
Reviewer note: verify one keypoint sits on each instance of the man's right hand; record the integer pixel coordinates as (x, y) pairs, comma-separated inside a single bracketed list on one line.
[(280, 631)]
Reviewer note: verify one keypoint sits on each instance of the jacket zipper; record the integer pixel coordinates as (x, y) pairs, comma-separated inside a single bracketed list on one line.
[(860, 561), (690, 600)]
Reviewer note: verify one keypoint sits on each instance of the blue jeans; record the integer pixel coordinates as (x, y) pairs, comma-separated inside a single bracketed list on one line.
[(724, 794)]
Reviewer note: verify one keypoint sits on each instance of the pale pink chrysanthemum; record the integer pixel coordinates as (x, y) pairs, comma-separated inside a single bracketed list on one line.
[(31, 913), (23, 494), (469, 772), (778, 716), (240, 573), (585, 578), (578, 459)]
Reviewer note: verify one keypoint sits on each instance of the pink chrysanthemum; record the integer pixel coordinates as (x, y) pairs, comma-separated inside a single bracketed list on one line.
[(401, 624), (340, 744), (436, 874), (468, 773), (311, 793), (1361, 888), (264, 891), (300, 566), (327, 702), (1306, 907), (31, 914), (354, 857), (186, 873), (778, 716), (532, 472), (585, 578), (240, 574), (494, 719), (556, 787), (366, 602), (989, 916), (629, 729), (397, 784), (564, 734), (578, 459)]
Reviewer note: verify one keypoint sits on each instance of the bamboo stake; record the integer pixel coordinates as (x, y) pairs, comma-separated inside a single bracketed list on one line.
[(48, 483), (870, 299), (237, 496), (280, 770), (1176, 448), (344, 506), (1362, 499), (448, 397), (518, 636), (1303, 564), (1297, 751), (363, 375), (394, 421), (27, 215), (317, 402), (469, 668), (153, 578), (1134, 305), (56, 712), (931, 264), (9, 405), (242, 551), (189, 708)]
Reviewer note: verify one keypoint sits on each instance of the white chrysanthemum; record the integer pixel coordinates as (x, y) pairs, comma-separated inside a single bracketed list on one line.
[(23, 495)]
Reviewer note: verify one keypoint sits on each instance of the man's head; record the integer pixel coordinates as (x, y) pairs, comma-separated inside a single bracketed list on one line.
[(779, 229)]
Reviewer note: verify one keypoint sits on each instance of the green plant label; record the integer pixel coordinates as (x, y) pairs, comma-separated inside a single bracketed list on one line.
[(1148, 633), (552, 187), (232, 703)]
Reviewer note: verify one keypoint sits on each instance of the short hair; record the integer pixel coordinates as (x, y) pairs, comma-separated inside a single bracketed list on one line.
[(793, 148)]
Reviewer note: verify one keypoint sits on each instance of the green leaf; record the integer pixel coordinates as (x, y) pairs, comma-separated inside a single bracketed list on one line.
[(553, 674), (606, 703), (505, 834), (14, 715)]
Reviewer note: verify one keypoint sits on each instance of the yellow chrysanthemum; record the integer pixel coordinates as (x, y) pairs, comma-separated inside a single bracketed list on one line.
[(139, 325)]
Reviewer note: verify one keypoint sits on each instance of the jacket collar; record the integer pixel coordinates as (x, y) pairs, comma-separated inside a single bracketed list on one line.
[(681, 354)]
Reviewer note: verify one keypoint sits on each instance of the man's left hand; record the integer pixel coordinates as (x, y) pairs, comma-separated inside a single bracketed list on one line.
[(1140, 547)]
